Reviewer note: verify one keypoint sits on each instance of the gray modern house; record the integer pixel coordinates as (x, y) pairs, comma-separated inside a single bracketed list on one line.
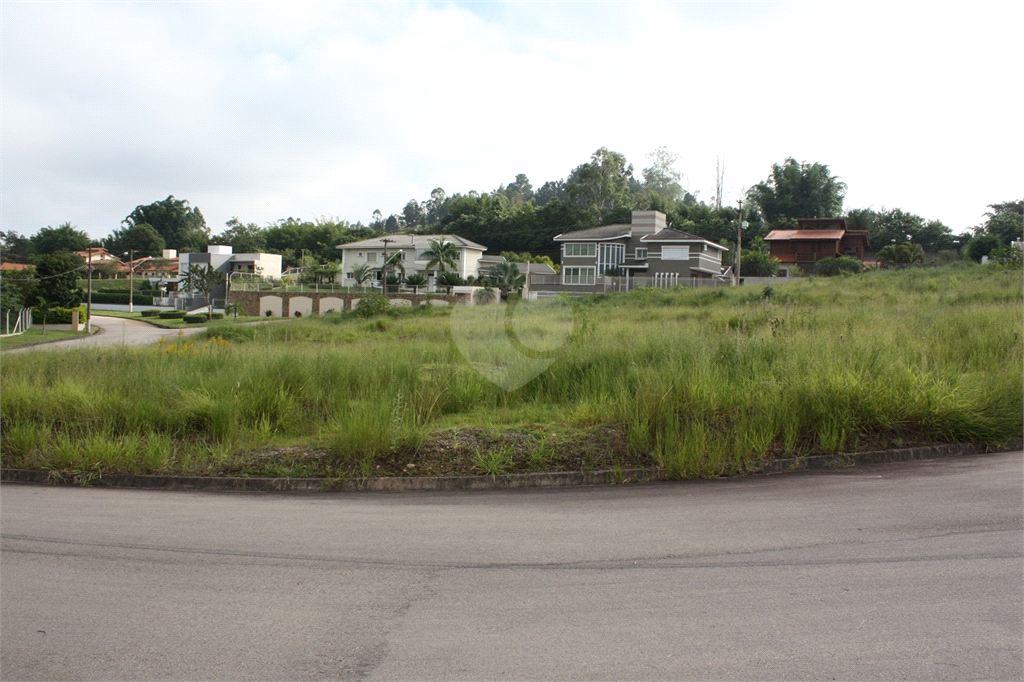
[(642, 253)]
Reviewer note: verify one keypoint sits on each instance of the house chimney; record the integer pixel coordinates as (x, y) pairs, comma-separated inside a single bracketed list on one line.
[(647, 222)]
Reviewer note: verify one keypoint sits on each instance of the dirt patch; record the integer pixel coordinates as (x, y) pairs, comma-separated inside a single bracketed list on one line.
[(457, 452)]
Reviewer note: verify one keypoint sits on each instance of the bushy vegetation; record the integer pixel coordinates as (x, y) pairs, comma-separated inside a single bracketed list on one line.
[(702, 382)]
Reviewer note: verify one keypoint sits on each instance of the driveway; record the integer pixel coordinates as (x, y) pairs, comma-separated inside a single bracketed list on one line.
[(114, 331), (897, 571)]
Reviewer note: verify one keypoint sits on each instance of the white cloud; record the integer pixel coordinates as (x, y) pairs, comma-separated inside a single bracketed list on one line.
[(303, 109)]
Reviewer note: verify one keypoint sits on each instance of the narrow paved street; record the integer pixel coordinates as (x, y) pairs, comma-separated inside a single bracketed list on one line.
[(900, 571), (113, 331)]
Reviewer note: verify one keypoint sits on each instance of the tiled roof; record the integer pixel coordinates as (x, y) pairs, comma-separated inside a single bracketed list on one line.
[(791, 235), (603, 232), (404, 241)]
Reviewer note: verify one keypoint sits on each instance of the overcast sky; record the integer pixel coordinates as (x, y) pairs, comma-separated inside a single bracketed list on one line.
[(264, 111)]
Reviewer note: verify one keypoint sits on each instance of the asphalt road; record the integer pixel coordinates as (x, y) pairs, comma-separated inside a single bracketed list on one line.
[(114, 331), (900, 571)]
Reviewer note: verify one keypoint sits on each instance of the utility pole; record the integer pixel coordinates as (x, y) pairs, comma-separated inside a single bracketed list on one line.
[(384, 268), (739, 243), (88, 307)]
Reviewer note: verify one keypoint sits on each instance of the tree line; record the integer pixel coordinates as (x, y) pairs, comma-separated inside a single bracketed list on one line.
[(519, 218)]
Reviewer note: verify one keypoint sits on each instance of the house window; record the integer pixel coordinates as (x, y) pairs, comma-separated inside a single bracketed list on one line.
[(675, 253), (610, 257), (348, 275), (371, 256), (572, 275), (640, 253), (579, 250)]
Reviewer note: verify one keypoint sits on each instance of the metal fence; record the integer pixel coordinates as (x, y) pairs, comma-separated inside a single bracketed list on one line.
[(22, 321)]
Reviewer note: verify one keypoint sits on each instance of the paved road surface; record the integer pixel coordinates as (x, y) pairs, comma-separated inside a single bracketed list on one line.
[(115, 331), (904, 571)]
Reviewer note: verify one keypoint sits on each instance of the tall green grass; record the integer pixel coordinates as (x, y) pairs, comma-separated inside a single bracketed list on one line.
[(708, 382)]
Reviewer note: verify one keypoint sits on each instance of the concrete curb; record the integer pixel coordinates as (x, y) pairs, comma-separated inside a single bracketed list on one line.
[(454, 483)]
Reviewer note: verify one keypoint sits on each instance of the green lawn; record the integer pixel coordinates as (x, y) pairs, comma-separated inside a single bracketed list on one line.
[(700, 382), (36, 335)]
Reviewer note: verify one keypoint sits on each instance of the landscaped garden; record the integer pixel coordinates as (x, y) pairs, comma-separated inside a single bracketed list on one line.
[(701, 382)]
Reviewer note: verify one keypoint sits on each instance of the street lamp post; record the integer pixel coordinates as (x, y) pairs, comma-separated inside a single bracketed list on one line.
[(88, 307), (131, 280), (739, 243)]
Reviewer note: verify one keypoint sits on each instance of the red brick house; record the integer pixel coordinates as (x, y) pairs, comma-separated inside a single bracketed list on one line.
[(817, 238)]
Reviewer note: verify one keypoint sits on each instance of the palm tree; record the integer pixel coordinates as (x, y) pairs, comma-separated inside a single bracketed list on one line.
[(416, 280), (506, 277), (394, 261), (361, 273), (440, 254)]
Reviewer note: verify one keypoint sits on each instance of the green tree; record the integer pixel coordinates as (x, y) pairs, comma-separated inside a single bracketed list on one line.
[(1006, 221), (981, 245), (899, 255), (201, 279), (57, 281), (506, 278), (416, 280), (361, 273), (16, 248), (441, 254), (62, 238), (601, 185), (242, 237), (449, 280), (181, 226), (798, 190), (142, 238), (759, 264), (661, 177)]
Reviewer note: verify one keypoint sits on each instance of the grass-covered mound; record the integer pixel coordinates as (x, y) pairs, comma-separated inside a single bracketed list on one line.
[(702, 382)]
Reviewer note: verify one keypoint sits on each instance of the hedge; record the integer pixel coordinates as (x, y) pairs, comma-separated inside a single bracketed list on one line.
[(151, 313), (58, 315), (172, 314), (196, 319), (121, 298)]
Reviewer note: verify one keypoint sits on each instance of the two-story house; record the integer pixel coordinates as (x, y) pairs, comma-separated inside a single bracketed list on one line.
[(642, 253), (413, 249)]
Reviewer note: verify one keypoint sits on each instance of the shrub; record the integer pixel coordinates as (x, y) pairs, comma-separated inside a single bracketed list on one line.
[(373, 305), (268, 313), (217, 316), (196, 319), (58, 315), (150, 313), (841, 265), (757, 264), (297, 313), (172, 314)]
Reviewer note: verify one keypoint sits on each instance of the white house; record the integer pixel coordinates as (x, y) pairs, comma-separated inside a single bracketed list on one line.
[(413, 247)]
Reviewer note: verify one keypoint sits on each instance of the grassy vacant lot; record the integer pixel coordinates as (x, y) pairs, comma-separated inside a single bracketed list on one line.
[(702, 382)]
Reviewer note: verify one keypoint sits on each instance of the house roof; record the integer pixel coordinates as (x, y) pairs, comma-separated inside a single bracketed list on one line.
[(535, 268), (596, 233), (15, 266), (794, 235), (670, 235), (404, 241)]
